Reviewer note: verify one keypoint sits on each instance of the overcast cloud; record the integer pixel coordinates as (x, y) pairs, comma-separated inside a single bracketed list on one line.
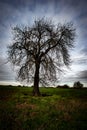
[(24, 12)]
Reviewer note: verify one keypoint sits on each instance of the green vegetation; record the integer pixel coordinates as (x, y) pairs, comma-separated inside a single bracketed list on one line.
[(57, 109)]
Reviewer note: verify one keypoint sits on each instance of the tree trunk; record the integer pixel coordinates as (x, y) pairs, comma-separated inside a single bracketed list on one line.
[(36, 91)]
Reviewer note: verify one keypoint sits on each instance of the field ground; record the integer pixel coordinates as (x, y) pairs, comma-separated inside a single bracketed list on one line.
[(57, 109)]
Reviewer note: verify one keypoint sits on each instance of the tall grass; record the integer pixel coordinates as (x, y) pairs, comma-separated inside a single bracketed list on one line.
[(57, 109)]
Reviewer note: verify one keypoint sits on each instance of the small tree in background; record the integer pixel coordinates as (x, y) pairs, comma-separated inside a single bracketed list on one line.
[(40, 50), (78, 85)]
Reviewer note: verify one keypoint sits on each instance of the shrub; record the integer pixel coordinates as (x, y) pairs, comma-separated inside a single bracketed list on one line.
[(63, 86)]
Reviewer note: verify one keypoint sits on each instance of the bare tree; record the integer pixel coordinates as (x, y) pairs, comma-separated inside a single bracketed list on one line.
[(40, 50)]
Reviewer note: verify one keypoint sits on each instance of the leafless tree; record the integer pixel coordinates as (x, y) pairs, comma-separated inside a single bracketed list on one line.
[(40, 50)]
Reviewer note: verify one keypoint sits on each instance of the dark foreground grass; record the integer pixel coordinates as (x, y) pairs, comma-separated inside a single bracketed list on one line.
[(57, 109)]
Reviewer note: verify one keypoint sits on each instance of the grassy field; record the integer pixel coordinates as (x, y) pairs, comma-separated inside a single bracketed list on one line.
[(57, 109)]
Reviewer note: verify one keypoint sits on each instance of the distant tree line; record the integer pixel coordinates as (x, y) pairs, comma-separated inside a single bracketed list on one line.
[(76, 85)]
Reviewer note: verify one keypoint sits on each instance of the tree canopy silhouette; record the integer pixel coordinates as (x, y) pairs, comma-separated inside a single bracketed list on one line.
[(40, 50)]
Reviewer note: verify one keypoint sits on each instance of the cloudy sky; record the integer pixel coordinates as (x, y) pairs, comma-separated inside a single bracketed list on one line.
[(24, 12)]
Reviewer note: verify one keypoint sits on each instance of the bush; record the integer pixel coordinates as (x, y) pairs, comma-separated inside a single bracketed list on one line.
[(63, 86), (78, 85)]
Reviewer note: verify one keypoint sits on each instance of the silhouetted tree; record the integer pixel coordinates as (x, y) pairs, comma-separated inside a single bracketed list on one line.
[(40, 50), (78, 85)]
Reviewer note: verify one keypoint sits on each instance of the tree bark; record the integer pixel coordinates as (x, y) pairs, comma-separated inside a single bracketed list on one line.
[(36, 91)]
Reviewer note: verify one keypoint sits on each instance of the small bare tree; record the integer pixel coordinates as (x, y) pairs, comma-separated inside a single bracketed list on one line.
[(40, 50)]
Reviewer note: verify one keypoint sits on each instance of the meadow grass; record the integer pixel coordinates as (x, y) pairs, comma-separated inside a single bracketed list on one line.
[(57, 109)]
